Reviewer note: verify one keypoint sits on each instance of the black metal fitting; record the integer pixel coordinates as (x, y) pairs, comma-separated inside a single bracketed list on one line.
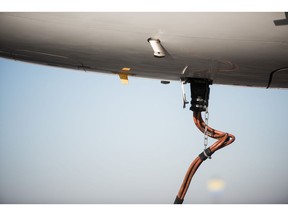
[(178, 200), (199, 94)]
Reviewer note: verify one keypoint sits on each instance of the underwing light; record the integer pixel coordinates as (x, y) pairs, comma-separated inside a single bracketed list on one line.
[(157, 47)]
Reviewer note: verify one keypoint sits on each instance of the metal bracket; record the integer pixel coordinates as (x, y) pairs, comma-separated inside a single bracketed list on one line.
[(184, 94)]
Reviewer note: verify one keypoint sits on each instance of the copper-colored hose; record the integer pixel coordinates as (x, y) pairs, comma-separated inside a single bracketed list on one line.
[(223, 139)]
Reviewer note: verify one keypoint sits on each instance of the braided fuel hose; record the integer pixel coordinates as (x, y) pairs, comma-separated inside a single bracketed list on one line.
[(223, 139)]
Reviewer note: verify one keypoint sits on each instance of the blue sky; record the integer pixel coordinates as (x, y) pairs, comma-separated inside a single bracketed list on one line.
[(67, 136)]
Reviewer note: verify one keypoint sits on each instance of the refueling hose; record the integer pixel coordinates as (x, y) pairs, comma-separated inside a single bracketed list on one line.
[(223, 139)]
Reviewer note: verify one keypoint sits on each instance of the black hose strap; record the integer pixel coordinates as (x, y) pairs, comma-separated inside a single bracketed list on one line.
[(205, 154)]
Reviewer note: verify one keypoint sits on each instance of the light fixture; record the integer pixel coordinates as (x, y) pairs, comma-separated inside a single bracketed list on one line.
[(157, 47)]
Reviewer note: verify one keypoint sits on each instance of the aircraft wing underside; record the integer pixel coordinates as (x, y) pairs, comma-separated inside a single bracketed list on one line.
[(246, 49)]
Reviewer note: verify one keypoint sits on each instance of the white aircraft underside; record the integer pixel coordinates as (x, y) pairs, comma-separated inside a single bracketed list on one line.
[(228, 48)]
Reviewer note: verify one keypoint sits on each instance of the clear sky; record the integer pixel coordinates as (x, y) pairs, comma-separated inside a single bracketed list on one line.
[(68, 136)]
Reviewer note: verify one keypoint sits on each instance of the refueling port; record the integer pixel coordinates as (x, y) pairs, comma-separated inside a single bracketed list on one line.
[(199, 94)]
